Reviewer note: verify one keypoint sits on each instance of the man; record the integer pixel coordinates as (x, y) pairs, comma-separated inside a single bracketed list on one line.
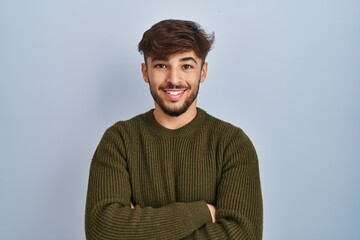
[(174, 172)]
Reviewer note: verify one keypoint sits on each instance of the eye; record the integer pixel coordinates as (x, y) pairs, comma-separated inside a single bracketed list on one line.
[(160, 65), (187, 66)]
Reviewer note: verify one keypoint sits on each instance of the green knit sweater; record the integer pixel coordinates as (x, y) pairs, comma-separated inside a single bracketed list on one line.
[(170, 175)]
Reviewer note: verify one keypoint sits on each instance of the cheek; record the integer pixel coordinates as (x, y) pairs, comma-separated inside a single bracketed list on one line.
[(195, 78), (156, 77)]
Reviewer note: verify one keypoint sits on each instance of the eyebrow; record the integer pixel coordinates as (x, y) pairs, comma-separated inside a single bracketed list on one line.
[(188, 59), (181, 59)]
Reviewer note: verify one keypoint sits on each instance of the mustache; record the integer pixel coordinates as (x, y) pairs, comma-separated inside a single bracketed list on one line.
[(172, 86)]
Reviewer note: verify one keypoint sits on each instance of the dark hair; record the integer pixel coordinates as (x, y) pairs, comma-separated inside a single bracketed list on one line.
[(175, 36)]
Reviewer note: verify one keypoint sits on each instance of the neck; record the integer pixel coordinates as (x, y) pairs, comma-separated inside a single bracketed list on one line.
[(171, 122)]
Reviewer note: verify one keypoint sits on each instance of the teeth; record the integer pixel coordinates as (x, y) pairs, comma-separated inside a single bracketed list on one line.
[(174, 92)]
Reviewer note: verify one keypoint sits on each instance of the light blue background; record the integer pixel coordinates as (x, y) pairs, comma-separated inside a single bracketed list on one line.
[(287, 72)]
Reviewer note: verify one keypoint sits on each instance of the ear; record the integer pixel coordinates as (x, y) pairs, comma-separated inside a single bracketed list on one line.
[(144, 72), (203, 73)]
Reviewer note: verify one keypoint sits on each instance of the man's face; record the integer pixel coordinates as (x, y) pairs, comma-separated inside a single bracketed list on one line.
[(174, 81)]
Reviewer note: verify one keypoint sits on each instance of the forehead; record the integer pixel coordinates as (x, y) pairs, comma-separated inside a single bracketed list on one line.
[(188, 55)]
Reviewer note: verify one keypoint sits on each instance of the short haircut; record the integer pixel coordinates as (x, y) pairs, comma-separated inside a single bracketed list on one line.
[(171, 36)]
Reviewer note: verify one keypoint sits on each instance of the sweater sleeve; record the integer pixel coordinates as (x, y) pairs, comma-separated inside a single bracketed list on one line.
[(239, 199), (108, 214)]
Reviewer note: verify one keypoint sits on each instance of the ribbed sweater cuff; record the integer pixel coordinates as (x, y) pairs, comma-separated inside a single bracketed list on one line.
[(199, 213)]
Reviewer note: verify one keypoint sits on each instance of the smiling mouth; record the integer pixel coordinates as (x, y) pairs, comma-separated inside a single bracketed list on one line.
[(174, 94)]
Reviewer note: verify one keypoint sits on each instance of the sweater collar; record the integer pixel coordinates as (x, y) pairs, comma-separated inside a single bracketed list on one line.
[(188, 129)]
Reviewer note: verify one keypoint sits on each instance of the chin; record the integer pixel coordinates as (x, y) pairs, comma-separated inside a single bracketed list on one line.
[(174, 112)]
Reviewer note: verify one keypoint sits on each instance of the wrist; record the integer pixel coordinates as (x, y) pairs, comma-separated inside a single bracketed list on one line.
[(212, 210)]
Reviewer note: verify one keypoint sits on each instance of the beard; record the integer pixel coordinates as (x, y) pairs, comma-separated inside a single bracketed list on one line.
[(172, 110)]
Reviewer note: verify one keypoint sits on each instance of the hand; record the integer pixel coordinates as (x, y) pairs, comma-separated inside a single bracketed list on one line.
[(132, 205), (212, 210)]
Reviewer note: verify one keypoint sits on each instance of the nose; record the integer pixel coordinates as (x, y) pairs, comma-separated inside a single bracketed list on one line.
[(173, 77)]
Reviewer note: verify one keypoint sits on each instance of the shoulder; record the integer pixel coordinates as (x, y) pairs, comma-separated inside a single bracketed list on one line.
[(129, 124), (223, 128), (228, 134), (232, 142), (123, 128)]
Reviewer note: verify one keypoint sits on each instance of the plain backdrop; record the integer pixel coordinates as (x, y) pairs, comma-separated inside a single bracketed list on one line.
[(287, 72)]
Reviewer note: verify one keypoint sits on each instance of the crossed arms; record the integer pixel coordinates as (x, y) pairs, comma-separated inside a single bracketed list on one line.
[(236, 214)]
